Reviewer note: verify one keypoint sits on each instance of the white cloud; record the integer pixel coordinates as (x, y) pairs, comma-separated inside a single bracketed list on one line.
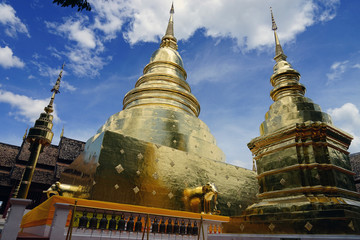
[(25, 108), (52, 74), (75, 30), (85, 63), (67, 86), (246, 21), (8, 60), (12, 23), (84, 56), (46, 71), (327, 9), (347, 118), (337, 69), (357, 65)]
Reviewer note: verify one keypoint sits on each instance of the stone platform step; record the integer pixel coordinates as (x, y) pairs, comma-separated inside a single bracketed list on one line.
[(29, 236)]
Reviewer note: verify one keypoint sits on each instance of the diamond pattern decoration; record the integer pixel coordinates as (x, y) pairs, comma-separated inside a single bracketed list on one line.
[(242, 226), (172, 164), (97, 164), (154, 192), (271, 227), (140, 156), (170, 195), (351, 225), (156, 160), (155, 175), (173, 125), (308, 226), (317, 177), (185, 198), (240, 206), (94, 182), (122, 151), (227, 177), (138, 172), (174, 141), (136, 190), (282, 181), (119, 168), (228, 204), (116, 186), (172, 116)]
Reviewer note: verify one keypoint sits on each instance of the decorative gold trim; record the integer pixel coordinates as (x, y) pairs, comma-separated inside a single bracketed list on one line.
[(146, 68), (163, 77), (321, 189), (194, 110), (140, 90), (324, 166), (133, 96), (168, 105)]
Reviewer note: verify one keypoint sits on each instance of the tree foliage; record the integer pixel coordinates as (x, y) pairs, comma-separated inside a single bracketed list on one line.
[(80, 4)]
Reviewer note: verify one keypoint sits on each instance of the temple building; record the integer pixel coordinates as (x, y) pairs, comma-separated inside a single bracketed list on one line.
[(52, 162), (157, 154)]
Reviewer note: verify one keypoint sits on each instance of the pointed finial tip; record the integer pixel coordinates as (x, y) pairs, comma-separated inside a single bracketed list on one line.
[(24, 137), (274, 27), (62, 132), (172, 8)]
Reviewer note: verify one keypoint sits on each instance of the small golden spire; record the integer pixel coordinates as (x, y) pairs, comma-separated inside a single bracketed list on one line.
[(62, 132), (279, 53), (54, 90), (170, 27), (169, 39), (24, 137)]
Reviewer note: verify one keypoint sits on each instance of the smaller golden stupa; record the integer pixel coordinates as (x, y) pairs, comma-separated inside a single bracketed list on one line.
[(306, 185)]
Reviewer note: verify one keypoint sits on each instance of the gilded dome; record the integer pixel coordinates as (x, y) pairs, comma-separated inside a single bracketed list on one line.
[(167, 54)]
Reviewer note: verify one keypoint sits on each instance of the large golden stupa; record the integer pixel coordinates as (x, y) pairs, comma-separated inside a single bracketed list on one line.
[(156, 151)]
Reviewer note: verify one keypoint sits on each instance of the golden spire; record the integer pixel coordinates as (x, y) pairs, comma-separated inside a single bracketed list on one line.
[(24, 137), (54, 90), (170, 27), (39, 136), (62, 132), (279, 53), (169, 39)]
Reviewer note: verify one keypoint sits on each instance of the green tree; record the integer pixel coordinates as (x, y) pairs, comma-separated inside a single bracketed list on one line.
[(80, 4)]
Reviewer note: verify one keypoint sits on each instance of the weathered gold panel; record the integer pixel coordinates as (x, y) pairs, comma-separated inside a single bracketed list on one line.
[(142, 173)]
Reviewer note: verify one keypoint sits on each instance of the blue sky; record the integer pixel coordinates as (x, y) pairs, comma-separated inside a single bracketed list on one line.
[(227, 48)]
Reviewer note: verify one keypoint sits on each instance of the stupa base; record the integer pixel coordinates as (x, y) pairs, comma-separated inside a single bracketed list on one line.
[(299, 215)]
